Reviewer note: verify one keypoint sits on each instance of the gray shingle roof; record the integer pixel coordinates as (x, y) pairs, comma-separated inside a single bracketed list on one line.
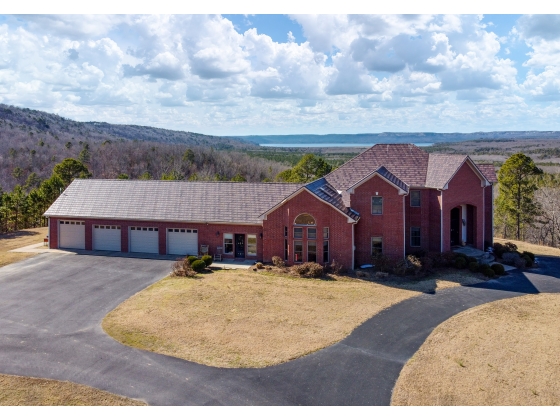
[(407, 162), (489, 171), (225, 202), (326, 192), (441, 168)]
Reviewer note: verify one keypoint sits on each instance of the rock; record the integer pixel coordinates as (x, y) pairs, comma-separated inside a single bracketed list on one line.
[(362, 274), (381, 274)]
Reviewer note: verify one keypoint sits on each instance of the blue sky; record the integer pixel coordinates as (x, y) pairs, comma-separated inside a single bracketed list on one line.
[(287, 74)]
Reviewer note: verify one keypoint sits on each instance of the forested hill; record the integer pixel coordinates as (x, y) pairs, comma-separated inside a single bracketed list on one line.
[(42, 123), (32, 142)]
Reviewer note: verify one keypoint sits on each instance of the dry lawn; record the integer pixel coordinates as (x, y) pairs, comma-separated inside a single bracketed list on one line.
[(19, 239), (18, 390), (535, 249), (238, 318), (500, 353)]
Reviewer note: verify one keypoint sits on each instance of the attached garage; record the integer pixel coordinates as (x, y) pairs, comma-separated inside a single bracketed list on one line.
[(72, 234), (182, 241), (144, 239), (107, 238)]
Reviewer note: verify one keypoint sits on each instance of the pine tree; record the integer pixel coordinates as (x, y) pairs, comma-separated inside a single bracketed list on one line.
[(517, 186)]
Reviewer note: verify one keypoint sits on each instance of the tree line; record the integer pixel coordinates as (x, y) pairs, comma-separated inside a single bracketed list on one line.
[(527, 206)]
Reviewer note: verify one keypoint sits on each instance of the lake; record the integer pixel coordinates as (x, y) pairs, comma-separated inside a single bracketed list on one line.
[(307, 145)]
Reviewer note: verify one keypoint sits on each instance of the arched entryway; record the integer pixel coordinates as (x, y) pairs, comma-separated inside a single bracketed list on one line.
[(463, 225)]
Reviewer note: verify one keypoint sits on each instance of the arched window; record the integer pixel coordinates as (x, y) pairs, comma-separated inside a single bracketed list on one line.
[(305, 219)]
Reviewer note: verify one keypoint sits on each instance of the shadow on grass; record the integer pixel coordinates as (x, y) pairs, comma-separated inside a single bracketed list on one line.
[(19, 234)]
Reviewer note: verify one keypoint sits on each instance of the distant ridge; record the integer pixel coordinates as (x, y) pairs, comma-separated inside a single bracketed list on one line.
[(371, 138)]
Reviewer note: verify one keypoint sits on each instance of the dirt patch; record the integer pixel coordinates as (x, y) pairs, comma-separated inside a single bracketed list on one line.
[(500, 353), (18, 390), (19, 239), (535, 249), (238, 318)]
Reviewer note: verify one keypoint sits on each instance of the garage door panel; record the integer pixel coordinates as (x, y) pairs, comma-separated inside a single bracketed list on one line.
[(107, 238), (182, 241), (144, 239), (72, 234)]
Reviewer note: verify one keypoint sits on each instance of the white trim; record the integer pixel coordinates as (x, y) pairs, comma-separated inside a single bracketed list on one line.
[(483, 181), (441, 222), (265, 214), (370, 176), (158, 220), (353, 246)]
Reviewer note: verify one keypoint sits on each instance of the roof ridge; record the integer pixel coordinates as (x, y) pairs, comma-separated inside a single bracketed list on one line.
[(190, 182)]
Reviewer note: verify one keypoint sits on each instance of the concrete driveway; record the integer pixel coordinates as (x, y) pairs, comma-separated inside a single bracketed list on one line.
[(51, 307)]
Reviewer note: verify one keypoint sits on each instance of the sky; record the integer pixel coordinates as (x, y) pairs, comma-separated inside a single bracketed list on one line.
[(287, 74)]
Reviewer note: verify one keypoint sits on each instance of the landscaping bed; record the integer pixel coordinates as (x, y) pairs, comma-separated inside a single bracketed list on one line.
[(499, 353), (247, 318), (24, 391)]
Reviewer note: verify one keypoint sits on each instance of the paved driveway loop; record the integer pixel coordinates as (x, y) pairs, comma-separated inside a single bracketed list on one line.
[(51, 307)]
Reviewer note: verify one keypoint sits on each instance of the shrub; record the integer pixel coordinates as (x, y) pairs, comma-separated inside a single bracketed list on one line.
[(381, 262), (414, 263), (498, 269), (182, 268), (427, 263), (528, 260), (260, 265), (473, 266), (460, 263), (448, 259), (483, 267), (278, 262), (198, 266), (399, 267), (510, 247), (335, 267), (499, 250), (520, 263), (489, 272), (308, 269), (510, 257), (528, 254), (208, 260), (192, 259), (268, 268), (461, 255), (471, 260)]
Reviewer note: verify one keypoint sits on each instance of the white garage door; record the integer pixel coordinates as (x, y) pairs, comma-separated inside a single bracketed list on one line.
[(106, 238), (72, 234), (182, 241), (144, 239)]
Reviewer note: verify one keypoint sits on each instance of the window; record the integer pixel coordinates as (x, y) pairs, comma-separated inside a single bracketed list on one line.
[(286, 250), (414, 236), (252, 245), (298, 251), (298, 233), (325, 251), (415, 198), (285, 231), (325, 233), (311, 233), (228, 243), (376, 245), (304, 219), (376, 205), (312, 251)]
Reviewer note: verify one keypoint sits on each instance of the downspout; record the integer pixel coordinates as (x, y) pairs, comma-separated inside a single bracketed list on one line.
[(353, 246), (404, 225), (441, 221), (484, 218)]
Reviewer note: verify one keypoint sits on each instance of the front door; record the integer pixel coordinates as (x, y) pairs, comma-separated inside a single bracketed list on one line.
[(455, 226), (239, 246)]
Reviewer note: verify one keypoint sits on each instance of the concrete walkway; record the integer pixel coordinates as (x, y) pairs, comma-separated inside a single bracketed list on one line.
[(51, 307)]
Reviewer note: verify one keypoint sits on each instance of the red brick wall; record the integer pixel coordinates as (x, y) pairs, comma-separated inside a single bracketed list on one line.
[(488, 235), (206, 233), (340, 231), (419, 217), (464, 188), (435, 221), (389, 225)]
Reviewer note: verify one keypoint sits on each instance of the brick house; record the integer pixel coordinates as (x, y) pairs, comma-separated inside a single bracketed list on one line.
[(392, 198)]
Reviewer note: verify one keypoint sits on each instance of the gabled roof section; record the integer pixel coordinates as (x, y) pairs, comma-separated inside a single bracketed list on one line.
[(489, 171), (387, 176), (443, 167), (206, 202), (326, 192), (407, 162)]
